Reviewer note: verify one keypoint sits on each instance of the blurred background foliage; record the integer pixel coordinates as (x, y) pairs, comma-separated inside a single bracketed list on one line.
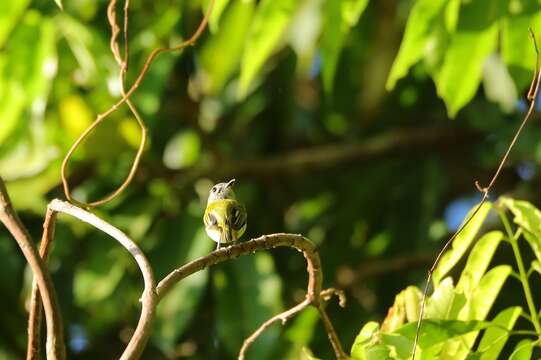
[(333, 116)]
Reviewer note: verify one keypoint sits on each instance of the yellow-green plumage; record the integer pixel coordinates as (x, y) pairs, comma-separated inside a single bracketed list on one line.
[(225, 220)]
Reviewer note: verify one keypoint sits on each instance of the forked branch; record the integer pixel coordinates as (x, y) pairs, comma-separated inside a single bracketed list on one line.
[(265, 242)]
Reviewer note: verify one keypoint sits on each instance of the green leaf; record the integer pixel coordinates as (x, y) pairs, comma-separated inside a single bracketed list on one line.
[(26, 71), (10, 14), (339, 17), (303, 326), (248, 293), (59, 3), (307, 355), (536, 266), (487, 291), (528, 217), (477, 307), (399, 343), (182, 150), (478, 262), (221, 53), (440, 304), (498, 84), (178, 307), (474, 40), (495, 337), (270, 22), (461, 242), (364, 340), (434, 331), (215, 15), (523, 350), (100, 275), (517, 49), (424, 17)]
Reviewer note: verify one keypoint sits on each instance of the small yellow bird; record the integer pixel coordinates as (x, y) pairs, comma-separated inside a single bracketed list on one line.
[(225, 218)]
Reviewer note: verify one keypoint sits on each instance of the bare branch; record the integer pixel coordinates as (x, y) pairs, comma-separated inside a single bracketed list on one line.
[(34, 318), (149, 300), (10, 219), (331, 333), (265, 242)]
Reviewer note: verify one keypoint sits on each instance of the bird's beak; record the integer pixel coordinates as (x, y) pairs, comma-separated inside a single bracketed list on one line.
[(230, 183)]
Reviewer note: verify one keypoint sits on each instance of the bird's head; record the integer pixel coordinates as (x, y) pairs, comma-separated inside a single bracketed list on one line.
[(222, 191)]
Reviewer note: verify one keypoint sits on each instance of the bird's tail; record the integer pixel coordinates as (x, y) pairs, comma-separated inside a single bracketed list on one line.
[(226, 235)]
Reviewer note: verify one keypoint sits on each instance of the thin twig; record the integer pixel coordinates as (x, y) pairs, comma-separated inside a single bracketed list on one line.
[(141, 334), (34, 318), (532, 96), (63, 170), (313, 267), (331, 333), (283, 317), (10, 219), (325, 295)]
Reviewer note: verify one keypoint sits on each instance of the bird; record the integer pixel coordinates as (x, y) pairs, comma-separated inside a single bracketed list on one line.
[(225, 218)]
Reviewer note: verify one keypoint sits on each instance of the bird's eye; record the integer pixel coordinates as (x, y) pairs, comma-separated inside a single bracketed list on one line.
[(213, 189)]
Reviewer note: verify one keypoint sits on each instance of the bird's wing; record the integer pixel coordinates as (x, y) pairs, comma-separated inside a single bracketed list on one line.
[(238, 215)]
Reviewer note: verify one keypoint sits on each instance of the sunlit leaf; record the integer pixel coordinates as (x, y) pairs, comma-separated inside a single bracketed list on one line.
[(439, 304), (474, 40), (339, 17), (10, 13), (517, 49), (364, 340), (495, 337), (461, 242), (477, 308), (498, 84), (28, 193), (247, 293), (270, 21), (59, 3), (81, 41), (478, 261), (425, 15), (528, 217), (436, 331), (307, 355), (217, 11), (523, 350), (75, 115), (221, 54), (26, 71), (182, 150)]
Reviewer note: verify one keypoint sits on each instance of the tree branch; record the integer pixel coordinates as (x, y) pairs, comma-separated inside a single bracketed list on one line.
[(315, 278), (10, 219), (149, 300), (34, 318), (324, 157)]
